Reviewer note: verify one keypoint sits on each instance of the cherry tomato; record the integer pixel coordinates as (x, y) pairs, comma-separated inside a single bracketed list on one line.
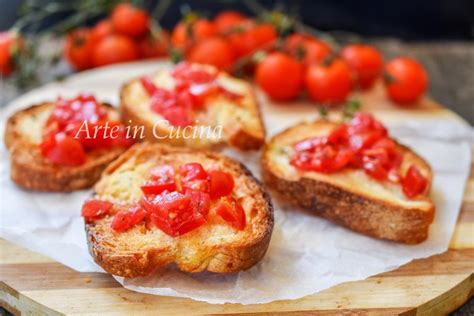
[(213, 51), (222, 184), (414, 183), (186, 34), (78, 48), (130, 20), (406, 80), (225, 21), (307, 49), (10, 42), (329, 83), (231, 212), (366, 62), (280, 76), (114, 49), (124, 220), (101, 30), (250, 37), (63, 149), (265, 35), (153, 45), (95, 209)]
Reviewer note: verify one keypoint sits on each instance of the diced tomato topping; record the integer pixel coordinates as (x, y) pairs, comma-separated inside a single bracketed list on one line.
[(125, 220), (222, 184), (76, 126), (231, 212), (173, 213), (192, 171), (63, 149), (192, 87), (363, 144), (200, 201), (94, 209), (158, 186), (414, 183), (148, 85)]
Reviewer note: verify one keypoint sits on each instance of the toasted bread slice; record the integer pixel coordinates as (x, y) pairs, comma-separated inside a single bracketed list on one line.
[(29, 169), (349, 197), (215, 246), (241, 122)]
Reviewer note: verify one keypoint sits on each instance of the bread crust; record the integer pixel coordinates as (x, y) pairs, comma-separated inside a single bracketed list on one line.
[(30, 170), (241, 137), (376, 217), (227, 257)]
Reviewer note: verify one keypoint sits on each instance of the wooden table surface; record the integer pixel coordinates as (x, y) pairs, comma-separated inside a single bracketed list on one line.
[(437, 285)]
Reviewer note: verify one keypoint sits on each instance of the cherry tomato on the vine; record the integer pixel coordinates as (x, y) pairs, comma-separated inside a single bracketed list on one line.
[(153, 45), (101, 30), (329, 83), (213, 51), (306, 48), (187, 33), (225, 21), (78, 48), (130, 20), (280, 76), (10, 42), (405, 80), (366, 62), (114, 49)]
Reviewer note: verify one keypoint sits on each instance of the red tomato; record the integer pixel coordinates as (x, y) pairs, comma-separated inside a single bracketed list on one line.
[(125, 220), (231, 212), (265, 35), (192, 171), (414, 183), (406, 80), (174, 213), (101, 30), (329, 84), (306, 48), (200, 201), (98, 135), (114, 49), (222, 184), (250, 37), (62, 149), (280, 76), (153, 45), (184, 34), (158, 186), (366, 62), (225, 21), (78, 48), (130, 20), (10, 42), (95, 209), (178, 116), (213, 51)]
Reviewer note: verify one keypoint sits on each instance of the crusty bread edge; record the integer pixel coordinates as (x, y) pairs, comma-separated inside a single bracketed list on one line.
[(364, 214), (228, 258), (241, 138)]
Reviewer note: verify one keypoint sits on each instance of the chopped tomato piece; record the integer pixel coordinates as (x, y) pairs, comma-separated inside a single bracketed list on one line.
[(200, 201), (177, 116), (201, 185), (192, 171), (364, 140), (158, 186), (148, 85), (125, 220), (95, 209), (310, 144), (174, 213), (231, 212), (414, 183), (339, 135), (222, 184), (63, 149)]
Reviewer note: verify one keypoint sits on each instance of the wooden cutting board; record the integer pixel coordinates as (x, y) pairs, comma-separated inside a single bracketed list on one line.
[(32, 283)]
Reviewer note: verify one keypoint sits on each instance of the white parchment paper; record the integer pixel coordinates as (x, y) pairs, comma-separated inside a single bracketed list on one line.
[(306, 254)]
